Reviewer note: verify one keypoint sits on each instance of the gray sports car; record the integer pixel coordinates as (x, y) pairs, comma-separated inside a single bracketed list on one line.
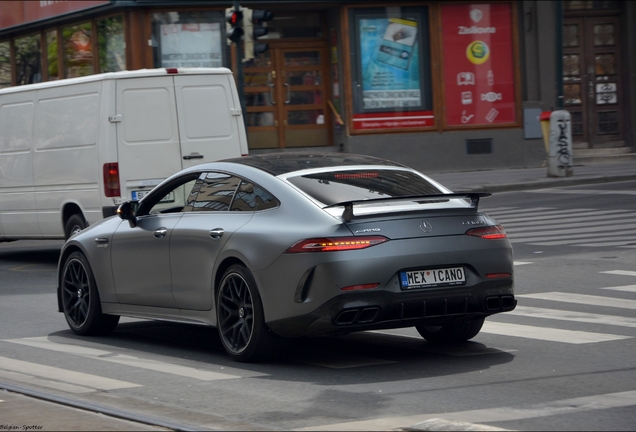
[(278, 246)]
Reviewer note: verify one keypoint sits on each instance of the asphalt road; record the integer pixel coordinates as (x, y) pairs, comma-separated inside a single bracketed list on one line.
[(563, 360)]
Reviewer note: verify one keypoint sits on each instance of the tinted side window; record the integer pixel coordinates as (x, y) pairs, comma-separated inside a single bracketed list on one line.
[(250, 197), (212, 192)]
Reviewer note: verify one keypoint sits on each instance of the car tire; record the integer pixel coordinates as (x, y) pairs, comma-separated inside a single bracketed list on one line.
[(80, 299), (457, 331), (75, 224), (241, 321)]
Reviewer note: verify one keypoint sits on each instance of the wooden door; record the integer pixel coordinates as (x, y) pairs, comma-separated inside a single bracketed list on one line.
[(286, 97), (593, 90)]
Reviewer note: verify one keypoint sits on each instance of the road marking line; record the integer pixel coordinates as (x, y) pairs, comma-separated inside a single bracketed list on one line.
[(583, 191), (33, 380), (126, 360), (626, 288), (620, 272), (547, 333), (583, 299), (557, 229), (463, 350), (490, 415), (62, 375), (564, 218), (607, 244), (518, 263), (580, 237), (589, 242), (562, 315)]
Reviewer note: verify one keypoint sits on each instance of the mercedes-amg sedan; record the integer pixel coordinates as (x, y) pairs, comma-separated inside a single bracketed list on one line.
[(284, 245)]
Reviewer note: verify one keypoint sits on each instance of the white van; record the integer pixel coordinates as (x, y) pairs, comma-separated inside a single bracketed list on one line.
[(72, 150)]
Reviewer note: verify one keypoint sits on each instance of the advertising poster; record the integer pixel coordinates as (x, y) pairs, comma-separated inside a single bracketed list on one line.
[(478, 64), (391, 82), (191, 45)]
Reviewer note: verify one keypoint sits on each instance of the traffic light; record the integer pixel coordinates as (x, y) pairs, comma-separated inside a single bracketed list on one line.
[(234, 20), (254, 29)]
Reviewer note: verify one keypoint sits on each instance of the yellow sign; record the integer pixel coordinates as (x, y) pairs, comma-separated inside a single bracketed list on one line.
[(478, 52)]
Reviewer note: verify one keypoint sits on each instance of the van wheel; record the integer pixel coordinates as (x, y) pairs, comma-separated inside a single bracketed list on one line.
[(453, 332), (80, 299), (75, 224), (241, 323)]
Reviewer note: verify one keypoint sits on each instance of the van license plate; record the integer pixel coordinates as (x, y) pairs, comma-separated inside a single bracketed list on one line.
[(432, 278), (137, 195)]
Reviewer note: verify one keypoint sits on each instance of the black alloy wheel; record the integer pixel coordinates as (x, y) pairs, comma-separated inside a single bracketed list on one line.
[(460, 330), (80, 299), (240, 317)]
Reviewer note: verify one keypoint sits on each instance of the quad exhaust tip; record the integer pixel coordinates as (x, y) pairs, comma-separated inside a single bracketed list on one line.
[(500, 303), (357, 316)]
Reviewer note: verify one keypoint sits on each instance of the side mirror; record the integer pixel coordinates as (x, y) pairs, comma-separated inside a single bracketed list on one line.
[(127, 211)]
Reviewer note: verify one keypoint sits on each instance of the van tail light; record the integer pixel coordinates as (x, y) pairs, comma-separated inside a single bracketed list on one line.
[(494, 232), (335, 244), (171, 71), (111, 180)]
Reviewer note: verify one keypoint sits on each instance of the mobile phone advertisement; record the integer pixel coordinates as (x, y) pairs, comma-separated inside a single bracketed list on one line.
[(478, 59)]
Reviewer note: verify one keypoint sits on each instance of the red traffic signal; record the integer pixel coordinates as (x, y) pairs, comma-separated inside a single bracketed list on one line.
[(235, 19)]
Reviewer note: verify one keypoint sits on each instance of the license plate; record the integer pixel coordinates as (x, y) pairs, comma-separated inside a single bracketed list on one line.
[(137, 195), (432, 278)]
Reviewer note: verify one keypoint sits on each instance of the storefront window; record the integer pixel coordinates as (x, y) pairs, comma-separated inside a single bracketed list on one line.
[(294, 25), (391, 83), (188, 39), (112, 51), (27, 60), (5, 64), (78, 50), (51, 55)]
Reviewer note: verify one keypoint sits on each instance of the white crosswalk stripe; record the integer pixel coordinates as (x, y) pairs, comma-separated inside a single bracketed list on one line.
[(546, 226), (547, 316), (126, 360)]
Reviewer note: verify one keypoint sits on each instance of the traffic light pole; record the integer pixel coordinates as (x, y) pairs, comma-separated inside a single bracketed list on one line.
[(239, 71)]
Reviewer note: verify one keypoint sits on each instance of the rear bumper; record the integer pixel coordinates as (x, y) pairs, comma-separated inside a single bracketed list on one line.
[(372, 310)]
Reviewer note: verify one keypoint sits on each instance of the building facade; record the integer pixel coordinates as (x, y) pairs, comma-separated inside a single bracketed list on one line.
[(435, 85)]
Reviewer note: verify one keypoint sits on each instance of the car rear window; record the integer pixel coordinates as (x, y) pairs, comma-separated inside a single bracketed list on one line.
[(339, 186)]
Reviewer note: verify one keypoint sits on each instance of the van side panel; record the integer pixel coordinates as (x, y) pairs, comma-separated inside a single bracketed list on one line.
[(65, 156), (17, 204), (208, 118), (148, 134)]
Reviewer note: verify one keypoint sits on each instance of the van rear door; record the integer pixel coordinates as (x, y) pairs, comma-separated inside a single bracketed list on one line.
[(147, 133), (210, 122)]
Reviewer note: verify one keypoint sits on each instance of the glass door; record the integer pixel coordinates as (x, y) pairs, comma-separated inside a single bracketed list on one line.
[(286, 98)]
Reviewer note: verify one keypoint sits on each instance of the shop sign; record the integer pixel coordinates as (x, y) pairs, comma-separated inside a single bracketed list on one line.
[(191, 45), (393, 120), (13, 13), (391, 82), (478, 64)]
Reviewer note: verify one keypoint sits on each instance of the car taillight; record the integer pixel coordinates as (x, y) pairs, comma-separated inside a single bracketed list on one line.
[(490, 232), (336, 244), (111, 180)]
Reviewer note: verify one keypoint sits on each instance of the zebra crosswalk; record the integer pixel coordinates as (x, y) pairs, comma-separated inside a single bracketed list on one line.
[(549, 316), (545, 226)]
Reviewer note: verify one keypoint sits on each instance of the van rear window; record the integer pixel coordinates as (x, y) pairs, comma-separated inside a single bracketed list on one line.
[(338, 186)]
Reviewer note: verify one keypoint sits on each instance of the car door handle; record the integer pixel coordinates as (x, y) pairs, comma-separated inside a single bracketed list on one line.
[(216, 233), (160, 232)]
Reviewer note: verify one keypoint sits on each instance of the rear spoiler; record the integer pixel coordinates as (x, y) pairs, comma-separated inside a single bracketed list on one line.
[(347, 214)]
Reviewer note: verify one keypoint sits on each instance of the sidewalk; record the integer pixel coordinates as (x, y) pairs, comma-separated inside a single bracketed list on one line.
[(19, 410), (533, 178)]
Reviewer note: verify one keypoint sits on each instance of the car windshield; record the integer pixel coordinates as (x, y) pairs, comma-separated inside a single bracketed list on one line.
[(361, 184)]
